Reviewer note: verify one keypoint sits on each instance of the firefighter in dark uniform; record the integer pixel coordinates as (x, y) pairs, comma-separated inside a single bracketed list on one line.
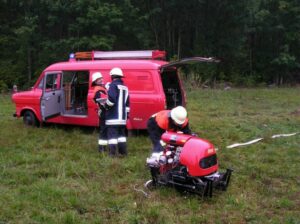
[(100, 98), (167, 120), (117, 105)]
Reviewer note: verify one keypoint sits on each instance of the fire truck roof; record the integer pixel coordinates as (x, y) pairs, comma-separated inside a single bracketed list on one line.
[(106, 64)]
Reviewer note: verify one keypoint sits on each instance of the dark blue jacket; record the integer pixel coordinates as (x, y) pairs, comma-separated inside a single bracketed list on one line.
[(117, 103)]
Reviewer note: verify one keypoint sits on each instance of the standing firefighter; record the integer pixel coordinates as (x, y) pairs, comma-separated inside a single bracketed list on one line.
[(117, 112), (167, 120), (99, 93)]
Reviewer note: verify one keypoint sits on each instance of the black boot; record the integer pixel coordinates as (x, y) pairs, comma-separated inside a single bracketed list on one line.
[(122, 148), (113, 150), (101, 148)]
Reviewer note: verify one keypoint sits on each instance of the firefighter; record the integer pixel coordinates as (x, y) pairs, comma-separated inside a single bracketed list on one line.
[(167, 120), (117, 105), (99, 98)]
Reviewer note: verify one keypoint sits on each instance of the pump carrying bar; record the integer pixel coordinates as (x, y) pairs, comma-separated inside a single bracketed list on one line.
[(106, 55)]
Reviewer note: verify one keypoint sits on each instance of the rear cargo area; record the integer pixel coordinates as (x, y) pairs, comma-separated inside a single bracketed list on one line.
[(172, 90)]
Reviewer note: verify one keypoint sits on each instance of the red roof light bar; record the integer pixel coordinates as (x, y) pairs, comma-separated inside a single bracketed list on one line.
[(147, 54)]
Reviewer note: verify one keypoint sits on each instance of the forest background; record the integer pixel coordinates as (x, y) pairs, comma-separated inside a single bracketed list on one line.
[(257, 41)]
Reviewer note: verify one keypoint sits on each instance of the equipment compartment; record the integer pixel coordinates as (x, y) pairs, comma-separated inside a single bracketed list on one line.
[(75, 85)]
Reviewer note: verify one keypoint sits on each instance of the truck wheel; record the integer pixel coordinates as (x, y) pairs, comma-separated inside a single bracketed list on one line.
[(29, 119)]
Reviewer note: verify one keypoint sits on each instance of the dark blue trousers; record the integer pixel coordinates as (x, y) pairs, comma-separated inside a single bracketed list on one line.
[(155, 133), (116, 135)]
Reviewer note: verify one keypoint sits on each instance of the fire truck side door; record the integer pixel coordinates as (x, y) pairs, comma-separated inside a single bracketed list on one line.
[(52, 95)]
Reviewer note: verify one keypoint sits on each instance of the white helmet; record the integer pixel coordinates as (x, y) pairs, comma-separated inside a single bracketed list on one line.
[(179, 114), (116, 72), (96, 75)]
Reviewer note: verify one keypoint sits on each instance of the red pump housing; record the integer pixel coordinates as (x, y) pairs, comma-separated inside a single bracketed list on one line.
[(187, 163), (176, 139), (198, 155)]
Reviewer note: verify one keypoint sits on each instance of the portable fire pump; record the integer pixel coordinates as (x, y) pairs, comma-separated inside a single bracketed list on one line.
[(187, 163)]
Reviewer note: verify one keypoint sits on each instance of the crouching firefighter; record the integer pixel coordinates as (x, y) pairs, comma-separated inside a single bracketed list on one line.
[(100, 98), (117, 105), (174, 120)]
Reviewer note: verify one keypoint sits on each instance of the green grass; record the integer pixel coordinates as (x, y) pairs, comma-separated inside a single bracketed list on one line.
[(55, 175)]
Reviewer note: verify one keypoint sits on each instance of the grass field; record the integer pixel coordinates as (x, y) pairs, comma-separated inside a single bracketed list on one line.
[(55, 175)]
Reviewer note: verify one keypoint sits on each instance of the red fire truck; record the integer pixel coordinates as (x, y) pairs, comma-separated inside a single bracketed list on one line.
[(63, 93)]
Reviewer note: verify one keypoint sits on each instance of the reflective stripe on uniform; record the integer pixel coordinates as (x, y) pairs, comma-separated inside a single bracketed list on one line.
[(109, 103), (115, 122), (113, 141), (102, 142), (123, 95), (122, 139)]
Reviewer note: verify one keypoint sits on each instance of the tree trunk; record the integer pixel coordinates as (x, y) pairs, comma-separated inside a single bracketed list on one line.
[(29, 65), (179, 44)]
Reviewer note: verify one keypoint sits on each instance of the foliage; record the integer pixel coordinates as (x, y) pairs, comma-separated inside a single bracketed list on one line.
[(251, 37), (3, 87), (54, 174)]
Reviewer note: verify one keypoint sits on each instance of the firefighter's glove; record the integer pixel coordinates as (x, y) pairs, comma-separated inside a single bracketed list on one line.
[(156, 155), (163, 144), (153, 160)]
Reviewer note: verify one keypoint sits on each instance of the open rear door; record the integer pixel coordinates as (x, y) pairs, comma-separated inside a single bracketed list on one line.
[(52, 95), (173, 89), (188, 61)]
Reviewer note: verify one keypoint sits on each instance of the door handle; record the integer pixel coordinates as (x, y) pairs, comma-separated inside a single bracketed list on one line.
[(47, 98), (53, 93)]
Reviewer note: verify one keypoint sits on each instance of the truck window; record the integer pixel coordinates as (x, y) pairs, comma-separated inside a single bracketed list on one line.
[(40, 85), (139, 81), (52, 82)]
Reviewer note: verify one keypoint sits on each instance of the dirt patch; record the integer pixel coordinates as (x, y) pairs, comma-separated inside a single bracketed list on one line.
[(296, 112)]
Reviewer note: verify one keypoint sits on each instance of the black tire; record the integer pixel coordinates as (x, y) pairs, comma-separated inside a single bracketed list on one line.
[(29, 119)]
